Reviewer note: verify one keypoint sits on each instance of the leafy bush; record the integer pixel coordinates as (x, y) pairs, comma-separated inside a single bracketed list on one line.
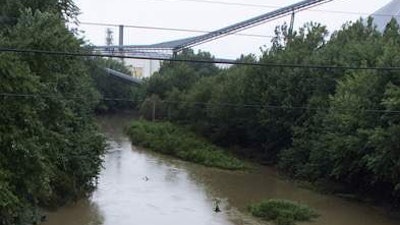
[(335, 125), (282, 212), (170, 139), (116, 93), (50, 147)]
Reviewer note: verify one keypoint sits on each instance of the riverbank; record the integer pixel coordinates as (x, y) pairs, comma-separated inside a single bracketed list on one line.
[(167, 138), (178, 191)]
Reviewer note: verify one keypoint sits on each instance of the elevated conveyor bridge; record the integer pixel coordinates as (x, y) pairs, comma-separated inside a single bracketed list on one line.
[(169, 48)]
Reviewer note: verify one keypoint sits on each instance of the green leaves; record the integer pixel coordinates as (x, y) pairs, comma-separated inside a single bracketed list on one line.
[(111, 88), (50, 148), (63, 9), (355, 141), (176, 141), (317, 124), (282, 212)]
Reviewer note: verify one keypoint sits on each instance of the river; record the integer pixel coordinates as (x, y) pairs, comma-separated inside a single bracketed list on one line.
[(145, 188)]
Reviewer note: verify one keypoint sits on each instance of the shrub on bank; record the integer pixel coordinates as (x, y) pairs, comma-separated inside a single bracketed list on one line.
[(167, 138), (282, 212)]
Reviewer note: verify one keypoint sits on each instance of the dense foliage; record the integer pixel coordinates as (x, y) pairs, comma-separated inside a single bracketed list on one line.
[(180, 75), (116, 94), (282, 212), (332, 124), (170, 139), (50, 149)]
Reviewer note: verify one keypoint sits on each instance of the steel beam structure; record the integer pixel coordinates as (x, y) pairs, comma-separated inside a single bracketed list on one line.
[(172, 47), (179, 45), (123, 76)]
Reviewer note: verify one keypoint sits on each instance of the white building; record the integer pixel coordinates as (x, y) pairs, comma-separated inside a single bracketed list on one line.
[(141, 68)]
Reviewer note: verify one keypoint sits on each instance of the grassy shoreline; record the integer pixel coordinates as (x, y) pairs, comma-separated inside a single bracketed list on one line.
[(170, 139)]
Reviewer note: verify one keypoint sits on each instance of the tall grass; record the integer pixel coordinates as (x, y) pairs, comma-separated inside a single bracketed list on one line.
[(282, 212), (167, 138)]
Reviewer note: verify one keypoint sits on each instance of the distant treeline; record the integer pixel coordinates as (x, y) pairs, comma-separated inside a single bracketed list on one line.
[(319, 124)]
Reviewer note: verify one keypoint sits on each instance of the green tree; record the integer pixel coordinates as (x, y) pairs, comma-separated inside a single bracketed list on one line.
[(50, 147), (351, 143), (331, 124), (116, 93), (11, 10), (180, 75)]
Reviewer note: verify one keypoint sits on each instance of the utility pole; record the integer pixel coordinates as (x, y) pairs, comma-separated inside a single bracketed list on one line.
[(169, 112), (154, 110)]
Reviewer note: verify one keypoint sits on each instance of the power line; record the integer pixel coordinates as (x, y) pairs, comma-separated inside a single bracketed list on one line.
[(281, 107), (216, 61), (207, 31), (273, 7), (209, 104), (169, 29), (27, 95), (224, 3)]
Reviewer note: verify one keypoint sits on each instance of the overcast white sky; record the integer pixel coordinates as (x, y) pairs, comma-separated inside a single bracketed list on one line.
[(208, 16)]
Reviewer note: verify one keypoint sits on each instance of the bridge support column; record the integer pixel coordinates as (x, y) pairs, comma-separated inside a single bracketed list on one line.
[(291, 26), (121, 38)]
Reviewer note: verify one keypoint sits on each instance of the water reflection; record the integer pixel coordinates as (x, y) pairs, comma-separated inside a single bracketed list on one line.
[(168, 196), (141, 187), (84, 212), (244, 188)]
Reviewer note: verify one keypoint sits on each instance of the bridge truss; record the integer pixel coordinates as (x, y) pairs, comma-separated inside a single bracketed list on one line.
[(168, 49)]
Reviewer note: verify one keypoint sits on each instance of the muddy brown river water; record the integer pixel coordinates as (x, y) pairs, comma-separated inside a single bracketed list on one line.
[(139, 187)]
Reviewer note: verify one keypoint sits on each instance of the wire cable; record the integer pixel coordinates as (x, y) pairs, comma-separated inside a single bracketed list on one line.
[(273, 7), (216, 61), (224, 3), (194, 104), (26, 95), (168, 29), (281, 107)]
